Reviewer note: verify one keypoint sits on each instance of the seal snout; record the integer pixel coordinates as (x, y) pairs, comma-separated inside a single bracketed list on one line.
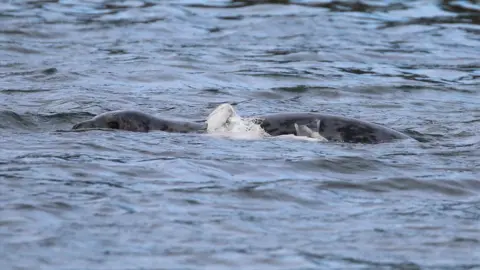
[(76, 126), (80, 125)]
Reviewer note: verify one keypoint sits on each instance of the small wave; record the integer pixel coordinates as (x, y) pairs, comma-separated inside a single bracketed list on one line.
[(12, 91), (445, 187), (339, 6), (11, 120)]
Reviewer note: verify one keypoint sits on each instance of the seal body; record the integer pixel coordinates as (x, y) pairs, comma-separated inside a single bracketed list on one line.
[(328, 127), (331, 127), (138, 121)]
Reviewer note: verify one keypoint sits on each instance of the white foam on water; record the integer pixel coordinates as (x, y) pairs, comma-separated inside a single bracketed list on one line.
[(219, 118), (225, 122)]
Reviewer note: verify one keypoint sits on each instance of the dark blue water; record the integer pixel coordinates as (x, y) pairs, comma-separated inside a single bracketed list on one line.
[(123, 200)]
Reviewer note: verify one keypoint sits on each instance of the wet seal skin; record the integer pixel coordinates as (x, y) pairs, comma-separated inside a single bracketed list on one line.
[(139, 122), (332, 128)]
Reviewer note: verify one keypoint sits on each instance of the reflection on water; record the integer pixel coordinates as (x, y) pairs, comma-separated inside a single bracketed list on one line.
[(122, 200)]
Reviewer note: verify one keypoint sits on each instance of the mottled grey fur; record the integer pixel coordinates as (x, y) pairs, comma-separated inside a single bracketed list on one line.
[(333, 128), (138, 121)]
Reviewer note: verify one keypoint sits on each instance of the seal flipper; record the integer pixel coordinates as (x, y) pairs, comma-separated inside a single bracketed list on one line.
[(304, 130)]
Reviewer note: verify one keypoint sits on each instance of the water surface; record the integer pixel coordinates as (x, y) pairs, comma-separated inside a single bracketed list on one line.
[(123, 200)]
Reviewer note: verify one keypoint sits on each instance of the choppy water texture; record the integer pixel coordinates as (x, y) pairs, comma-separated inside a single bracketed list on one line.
[(124, 200)]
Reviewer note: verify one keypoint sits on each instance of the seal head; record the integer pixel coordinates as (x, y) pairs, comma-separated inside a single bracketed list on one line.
[(138, 121), (125, 120)]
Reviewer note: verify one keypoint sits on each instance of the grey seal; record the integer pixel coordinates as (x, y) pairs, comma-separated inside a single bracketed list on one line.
[(138, 121), (331, 127)]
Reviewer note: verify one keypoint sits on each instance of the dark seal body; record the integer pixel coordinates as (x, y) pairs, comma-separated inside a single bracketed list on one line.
[(333, 128), (138, 121)]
